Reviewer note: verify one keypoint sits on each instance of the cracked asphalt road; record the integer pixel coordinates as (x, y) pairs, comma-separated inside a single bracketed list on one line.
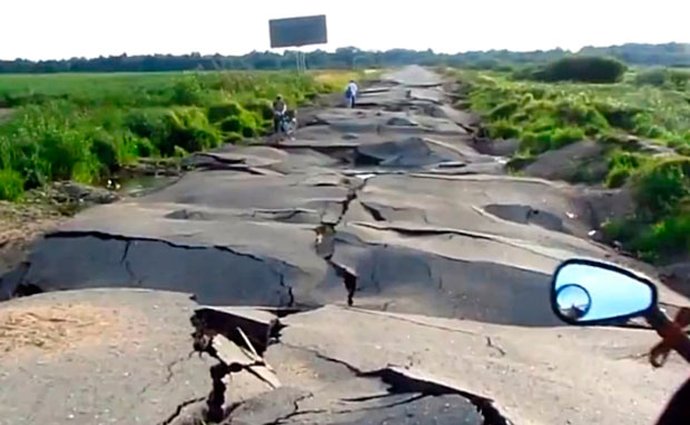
[(452, 268)]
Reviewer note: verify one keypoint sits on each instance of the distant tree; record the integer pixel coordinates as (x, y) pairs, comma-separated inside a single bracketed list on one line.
[(672, 54), (588, 69), (652, 77)]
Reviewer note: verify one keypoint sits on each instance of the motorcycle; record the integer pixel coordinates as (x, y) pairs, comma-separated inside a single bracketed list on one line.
[(288, 123), (593, 293)]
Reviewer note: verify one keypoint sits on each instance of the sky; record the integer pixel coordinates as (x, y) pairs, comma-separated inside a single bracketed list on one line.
[(56, 29)]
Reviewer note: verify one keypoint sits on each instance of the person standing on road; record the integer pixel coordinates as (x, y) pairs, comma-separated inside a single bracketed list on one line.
[(351, 93), (279, 110)]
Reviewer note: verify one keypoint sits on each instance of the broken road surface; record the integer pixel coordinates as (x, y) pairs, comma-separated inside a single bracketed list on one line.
[(450, 258)]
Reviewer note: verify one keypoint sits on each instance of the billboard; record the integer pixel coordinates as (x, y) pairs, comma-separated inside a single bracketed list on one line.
[(297, 32)]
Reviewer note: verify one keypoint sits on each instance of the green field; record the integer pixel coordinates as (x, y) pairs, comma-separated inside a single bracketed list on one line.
[(85, 127), (649, 105)]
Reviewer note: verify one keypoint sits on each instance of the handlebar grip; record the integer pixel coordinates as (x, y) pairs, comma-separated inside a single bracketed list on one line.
[(672, 334)]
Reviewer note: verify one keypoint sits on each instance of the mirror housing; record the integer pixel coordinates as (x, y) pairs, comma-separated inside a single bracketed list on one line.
[(588, 292)]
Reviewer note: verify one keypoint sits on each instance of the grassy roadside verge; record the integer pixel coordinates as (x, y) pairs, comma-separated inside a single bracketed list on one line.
[(85, 127), (647, 108)]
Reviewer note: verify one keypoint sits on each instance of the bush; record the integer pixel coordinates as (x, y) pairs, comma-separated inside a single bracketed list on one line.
[(503, 130), (231, 124), (187, 91), (263, 108), (249, 132), (11, 185), (143, 147), (679, 79), (504, 110), (233, 137), (189, 129), (146, 123), (661, 185), (621, 166), (619, 115), (565, 136), (574, 111), (218, 113), (668, 236), (534, 143), (586, 69), (653, 77), (103, 147)]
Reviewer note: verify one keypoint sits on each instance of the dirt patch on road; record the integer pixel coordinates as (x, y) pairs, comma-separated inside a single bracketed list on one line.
[(20, 225), (51, 329)]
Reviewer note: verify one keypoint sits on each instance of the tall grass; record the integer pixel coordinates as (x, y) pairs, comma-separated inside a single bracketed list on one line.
[(85, 127)]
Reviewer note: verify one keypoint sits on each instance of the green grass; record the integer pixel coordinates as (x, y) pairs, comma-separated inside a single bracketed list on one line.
[(660, 228), (652, 105), (85, 127), (530, 110)]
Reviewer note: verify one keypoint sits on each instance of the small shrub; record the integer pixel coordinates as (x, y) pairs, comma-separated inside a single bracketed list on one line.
[(189, 129), (534, 143), (68, 155), (11, 185), (661, 185), (653, 77), (619, 115), (263, 108), (679, 79), (621, 230), (187, 91), (231, 124), (503, 129), (572, 111), (670, 235), (621, 166), (218, 113), (143, 147), (617, 177), (104, 148), (233, 137), (146, 123), (565, 136), (249, 132), (504, 110)]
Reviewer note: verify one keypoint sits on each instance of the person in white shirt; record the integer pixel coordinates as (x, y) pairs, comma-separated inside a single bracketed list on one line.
[(351, 93)]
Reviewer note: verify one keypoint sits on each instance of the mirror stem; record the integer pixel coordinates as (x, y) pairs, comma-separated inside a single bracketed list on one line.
[(671, 333)]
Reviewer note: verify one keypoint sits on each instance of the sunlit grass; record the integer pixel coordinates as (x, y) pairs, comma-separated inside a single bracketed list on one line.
[(86, 126)]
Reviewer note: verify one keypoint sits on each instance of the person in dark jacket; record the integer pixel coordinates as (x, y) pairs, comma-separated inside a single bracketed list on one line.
[(279, 110)]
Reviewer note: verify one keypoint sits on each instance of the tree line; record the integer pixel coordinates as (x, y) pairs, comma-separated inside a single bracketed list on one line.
[(670, 54)]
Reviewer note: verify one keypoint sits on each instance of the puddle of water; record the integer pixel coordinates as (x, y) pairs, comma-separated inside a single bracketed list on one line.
[(141, 185)]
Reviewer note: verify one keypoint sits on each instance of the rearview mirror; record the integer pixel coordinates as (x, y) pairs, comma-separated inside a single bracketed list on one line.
[(587, 292)]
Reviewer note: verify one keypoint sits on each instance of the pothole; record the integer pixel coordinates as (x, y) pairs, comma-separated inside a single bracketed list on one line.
[(525, 214), (188, 215)]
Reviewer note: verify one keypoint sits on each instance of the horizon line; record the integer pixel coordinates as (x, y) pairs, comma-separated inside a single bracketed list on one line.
[(332, 50)]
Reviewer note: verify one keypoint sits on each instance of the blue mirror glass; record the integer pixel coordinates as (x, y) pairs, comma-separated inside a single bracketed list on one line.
[(585, 292)]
